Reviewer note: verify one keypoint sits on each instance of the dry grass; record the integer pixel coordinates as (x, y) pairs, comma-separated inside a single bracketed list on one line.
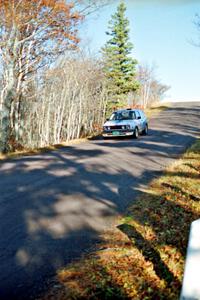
[(156, 109), (28, 152), (142, 258)]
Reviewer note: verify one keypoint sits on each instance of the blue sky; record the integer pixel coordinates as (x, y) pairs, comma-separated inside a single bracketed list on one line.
[(161, 32)]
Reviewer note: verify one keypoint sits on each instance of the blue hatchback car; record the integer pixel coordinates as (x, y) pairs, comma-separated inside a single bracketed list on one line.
[(126, 122)]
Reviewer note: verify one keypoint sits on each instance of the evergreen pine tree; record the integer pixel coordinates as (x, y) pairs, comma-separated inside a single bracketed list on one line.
[(119, 66)]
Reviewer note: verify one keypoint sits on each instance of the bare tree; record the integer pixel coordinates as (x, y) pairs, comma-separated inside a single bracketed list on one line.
[(33, 34), (69, 103), (151, 90), (197, 25)]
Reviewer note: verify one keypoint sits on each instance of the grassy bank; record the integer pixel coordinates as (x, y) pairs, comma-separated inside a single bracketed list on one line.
[(143, 256), (156, 109)]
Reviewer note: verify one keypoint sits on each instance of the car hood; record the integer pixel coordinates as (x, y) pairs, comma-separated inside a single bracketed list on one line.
[(116, 122)]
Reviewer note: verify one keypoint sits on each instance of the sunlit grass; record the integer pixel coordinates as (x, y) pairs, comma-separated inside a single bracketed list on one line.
[(156, 109), (143, 256)]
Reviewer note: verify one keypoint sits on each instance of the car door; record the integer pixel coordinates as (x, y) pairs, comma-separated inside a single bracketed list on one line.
[(138, 120), (132, 120), (143, 120)]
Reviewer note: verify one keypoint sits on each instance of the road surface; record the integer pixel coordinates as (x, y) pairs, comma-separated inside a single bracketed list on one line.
[(54, 205)]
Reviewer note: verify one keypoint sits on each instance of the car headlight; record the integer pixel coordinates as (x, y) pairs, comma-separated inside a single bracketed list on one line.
[(128, 126), (123, 127), (106, 128)]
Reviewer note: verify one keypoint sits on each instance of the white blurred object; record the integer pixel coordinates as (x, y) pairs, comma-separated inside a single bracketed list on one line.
[(191, 279)]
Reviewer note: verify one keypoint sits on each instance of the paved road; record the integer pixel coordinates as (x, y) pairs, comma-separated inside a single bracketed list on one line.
[(54, 205)]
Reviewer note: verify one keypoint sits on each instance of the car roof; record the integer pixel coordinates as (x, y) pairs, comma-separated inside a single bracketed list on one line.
[(132, 109)]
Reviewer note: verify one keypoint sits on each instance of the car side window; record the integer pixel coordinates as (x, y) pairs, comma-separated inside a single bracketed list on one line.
[(137, 115), (142, 114), (133, 116)]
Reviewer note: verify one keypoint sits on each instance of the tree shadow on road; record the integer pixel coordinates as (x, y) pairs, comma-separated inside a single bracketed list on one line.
[(55, 205)]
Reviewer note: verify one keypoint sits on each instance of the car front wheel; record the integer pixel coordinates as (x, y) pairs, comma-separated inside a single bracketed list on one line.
[(136, 133)]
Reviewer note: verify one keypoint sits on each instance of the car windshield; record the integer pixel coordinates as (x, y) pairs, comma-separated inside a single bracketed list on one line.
[(123, 115)]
